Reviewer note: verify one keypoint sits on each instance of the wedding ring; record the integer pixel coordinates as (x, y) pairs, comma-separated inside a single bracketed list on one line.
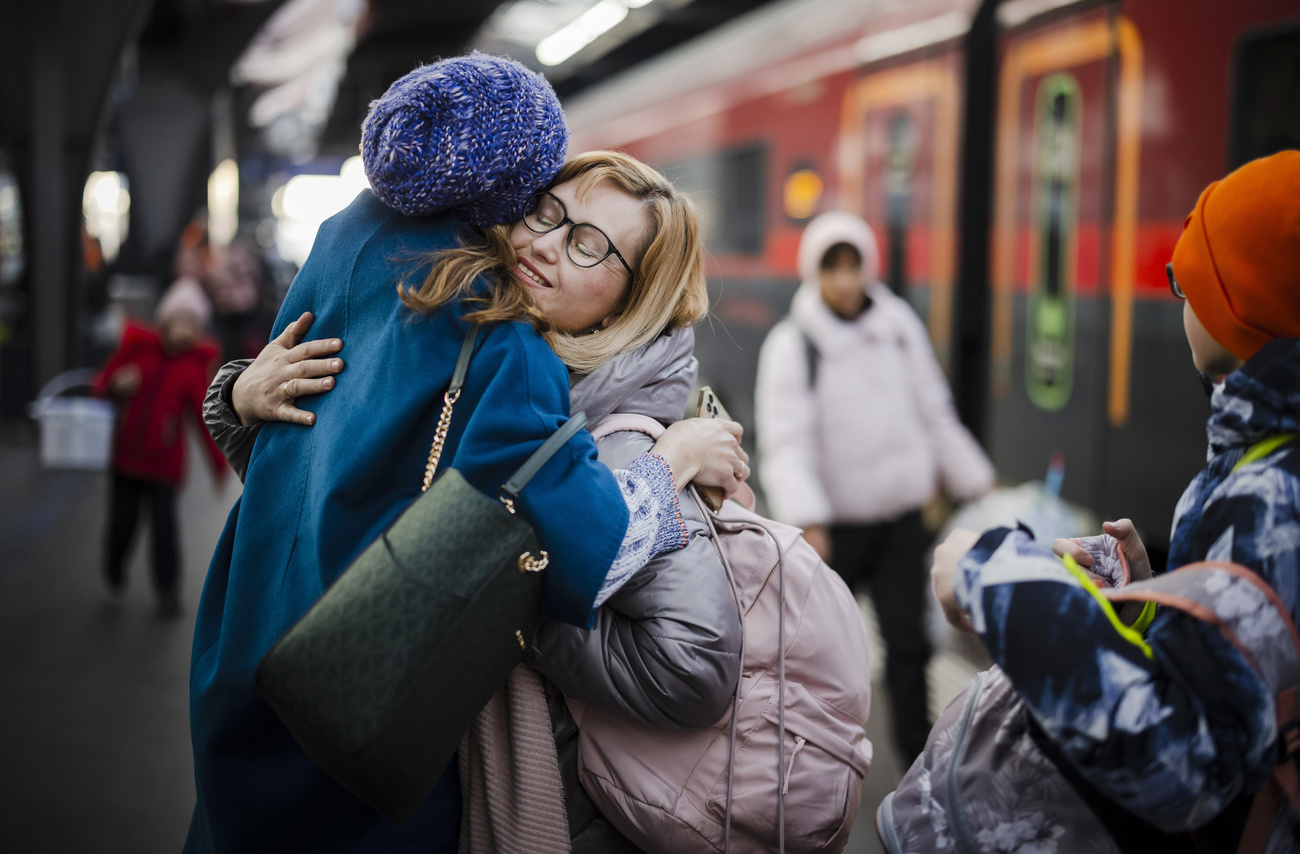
[(284, 389), (743, 472)]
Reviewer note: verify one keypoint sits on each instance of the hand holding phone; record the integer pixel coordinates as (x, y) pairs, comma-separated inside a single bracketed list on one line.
[(709, 407)]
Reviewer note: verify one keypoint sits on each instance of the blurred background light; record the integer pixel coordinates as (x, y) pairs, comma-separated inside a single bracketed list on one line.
[(306, 201), (106, 206), (595, 22), (551, 33), (223, 203), (12, 255), (803, 192), (300, 55)]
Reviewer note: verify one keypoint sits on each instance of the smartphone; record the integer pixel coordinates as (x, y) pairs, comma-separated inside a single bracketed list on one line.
[(709, 407)]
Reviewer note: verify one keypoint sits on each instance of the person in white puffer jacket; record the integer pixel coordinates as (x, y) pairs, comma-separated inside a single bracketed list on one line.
[(856, 433)]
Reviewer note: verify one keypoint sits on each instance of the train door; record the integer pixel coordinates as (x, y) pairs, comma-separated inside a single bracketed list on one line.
[(1062, 244), (898, 170)]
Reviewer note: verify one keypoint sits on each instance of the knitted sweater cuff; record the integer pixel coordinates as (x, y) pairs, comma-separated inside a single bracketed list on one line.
[(672, 534), (654, 523)]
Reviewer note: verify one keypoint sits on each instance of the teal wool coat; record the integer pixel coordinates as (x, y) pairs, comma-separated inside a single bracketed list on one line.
[(316, 496)]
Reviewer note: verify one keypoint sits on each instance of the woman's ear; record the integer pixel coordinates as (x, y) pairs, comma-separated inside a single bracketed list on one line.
[(611, 318)]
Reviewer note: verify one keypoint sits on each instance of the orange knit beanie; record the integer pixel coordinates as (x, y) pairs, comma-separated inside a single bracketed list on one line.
[(1238, 259)]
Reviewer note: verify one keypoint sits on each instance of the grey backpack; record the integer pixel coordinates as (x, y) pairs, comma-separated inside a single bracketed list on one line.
[(985, 784)]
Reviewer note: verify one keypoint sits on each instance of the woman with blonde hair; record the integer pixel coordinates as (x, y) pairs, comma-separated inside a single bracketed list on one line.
[(607, 263)]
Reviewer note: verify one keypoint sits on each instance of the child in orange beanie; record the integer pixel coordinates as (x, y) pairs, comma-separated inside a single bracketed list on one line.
[(1177, 727)]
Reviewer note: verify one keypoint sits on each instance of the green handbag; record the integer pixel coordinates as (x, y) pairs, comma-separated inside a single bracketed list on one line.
[(382, 677)]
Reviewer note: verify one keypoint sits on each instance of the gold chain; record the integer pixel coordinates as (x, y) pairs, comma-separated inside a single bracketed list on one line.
[(528, 563), (439, 437)]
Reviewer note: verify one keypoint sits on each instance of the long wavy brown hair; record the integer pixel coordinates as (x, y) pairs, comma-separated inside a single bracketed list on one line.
[(668, 289)]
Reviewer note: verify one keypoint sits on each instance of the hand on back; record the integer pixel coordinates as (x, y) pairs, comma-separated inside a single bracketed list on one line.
[(288, 368)]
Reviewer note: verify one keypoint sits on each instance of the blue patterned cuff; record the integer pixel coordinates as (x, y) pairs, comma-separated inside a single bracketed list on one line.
[(654, 520), (658, 475)]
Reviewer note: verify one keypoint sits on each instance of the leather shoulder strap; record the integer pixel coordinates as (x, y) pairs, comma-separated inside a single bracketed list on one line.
[(462, 361), (534, 463)]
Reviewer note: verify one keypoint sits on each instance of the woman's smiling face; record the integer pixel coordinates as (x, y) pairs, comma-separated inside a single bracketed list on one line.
[(579, 299)]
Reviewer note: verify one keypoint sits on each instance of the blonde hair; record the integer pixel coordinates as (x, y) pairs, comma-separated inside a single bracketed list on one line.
[(668, 289)]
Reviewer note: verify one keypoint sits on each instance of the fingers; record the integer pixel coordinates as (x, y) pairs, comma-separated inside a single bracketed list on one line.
[(315, 349), (288, 412), (313, 368), (1097, 581), (301, 387), (1120, 529), (1065, 546), (733, 428), (294, 332)]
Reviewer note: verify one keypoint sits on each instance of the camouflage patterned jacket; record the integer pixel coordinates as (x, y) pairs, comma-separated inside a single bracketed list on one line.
[(1179, 737)]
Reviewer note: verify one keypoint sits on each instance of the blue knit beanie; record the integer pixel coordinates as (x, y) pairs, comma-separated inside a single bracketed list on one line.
[(475, 135)]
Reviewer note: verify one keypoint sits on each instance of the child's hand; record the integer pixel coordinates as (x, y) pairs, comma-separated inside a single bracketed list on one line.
[(125, 381), (1125, 538), (1110, 571), (943, 576), (1130, 543)]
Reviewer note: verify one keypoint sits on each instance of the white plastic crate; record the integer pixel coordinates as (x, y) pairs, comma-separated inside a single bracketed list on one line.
[(76, 432)]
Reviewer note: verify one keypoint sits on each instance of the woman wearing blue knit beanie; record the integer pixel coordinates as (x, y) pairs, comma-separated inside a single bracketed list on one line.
[(605, 262)]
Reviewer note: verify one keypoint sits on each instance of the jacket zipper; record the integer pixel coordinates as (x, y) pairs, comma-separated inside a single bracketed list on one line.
[(956, 814)]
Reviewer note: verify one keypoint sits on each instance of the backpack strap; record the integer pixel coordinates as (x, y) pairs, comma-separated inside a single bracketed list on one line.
[(782, 771), (1263, 448), (812, 356), (1274, 652), (627, 422)]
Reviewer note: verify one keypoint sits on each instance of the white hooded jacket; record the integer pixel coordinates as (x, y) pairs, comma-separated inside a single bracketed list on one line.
[(874, 435)]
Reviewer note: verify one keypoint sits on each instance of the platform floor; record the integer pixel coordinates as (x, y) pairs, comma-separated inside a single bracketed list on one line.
[(95, 755)]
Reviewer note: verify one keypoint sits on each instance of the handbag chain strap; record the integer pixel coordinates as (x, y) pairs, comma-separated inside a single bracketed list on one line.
[(448, 401), (511, 489)]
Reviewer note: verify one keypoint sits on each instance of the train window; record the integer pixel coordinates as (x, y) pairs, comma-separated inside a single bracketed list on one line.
[(900, 168), (730, 188), (1049, 326), (1266, 108)]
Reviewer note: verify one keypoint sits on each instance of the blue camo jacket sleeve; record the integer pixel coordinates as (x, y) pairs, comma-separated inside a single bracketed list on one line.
[(1173, 732)]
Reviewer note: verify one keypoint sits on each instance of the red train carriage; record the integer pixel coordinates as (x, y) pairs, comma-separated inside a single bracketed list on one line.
[(1031, 237)]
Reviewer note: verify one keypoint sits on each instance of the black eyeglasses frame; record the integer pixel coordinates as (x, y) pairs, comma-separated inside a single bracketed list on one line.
[(1174, 288), (531, 207)]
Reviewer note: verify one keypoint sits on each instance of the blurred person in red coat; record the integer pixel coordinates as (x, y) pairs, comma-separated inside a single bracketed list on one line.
[(159, 376)]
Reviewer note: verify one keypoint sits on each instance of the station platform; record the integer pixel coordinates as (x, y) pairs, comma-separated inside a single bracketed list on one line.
[(94, 690)]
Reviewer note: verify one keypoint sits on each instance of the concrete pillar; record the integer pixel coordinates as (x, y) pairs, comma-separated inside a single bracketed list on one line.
[(48, 200)]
